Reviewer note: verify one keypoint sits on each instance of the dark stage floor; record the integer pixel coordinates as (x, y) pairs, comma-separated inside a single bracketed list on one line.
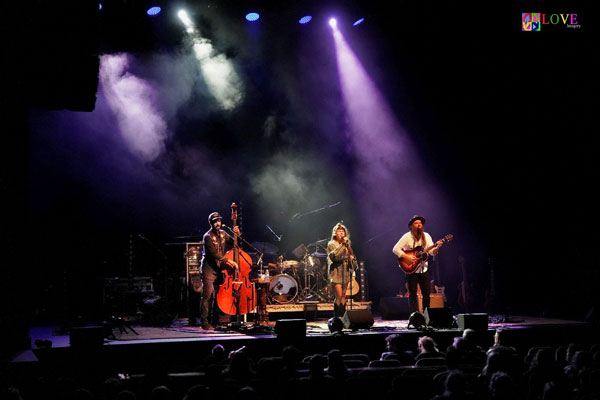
[(131, 347)]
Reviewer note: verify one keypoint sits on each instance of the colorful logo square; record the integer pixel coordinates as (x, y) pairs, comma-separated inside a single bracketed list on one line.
[(531, 22)]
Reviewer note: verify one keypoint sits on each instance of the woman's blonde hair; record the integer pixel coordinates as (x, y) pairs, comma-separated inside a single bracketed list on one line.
[(338, 226)]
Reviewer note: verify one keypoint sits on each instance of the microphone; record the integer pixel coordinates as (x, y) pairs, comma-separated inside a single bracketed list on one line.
[(226, 227)]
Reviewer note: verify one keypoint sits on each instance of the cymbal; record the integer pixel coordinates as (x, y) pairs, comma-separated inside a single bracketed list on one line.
[(319, 242), (265, 247)]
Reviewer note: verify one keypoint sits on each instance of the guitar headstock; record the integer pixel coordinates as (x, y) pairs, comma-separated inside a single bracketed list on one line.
[(448, 238)]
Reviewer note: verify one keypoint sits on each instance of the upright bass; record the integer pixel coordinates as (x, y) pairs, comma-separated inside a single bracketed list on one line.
[(237, 295)]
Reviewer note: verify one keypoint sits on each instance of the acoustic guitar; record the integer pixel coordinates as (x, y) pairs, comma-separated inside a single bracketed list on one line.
[(353, 287), (421, 255)]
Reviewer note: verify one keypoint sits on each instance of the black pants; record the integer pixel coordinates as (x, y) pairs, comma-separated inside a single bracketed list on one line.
[(423, 281), (209, 294)]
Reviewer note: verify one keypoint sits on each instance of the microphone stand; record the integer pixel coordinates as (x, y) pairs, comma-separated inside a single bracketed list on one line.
[(351, 274), (245, 241), (300, 215), (277, 237)]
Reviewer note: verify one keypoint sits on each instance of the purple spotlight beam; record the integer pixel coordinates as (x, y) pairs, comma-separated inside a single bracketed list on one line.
[(388, 161)]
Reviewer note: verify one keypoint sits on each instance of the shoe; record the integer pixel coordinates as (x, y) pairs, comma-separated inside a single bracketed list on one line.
[(336, 311), (207, 327)]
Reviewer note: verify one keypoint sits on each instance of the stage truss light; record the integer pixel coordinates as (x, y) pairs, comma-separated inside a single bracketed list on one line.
[(252, 17), (358, 22), (153, 11), (305, 20)]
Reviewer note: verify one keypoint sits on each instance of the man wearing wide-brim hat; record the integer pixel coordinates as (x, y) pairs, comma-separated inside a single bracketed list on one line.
[(415, 267)]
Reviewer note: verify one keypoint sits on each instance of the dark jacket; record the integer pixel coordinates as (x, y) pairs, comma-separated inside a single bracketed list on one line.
[(214, 250)]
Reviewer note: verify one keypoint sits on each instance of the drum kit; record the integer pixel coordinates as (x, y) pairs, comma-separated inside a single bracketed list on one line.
[(292, 281)]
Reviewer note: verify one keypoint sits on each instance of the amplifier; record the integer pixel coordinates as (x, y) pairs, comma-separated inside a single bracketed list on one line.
[(436, 300)]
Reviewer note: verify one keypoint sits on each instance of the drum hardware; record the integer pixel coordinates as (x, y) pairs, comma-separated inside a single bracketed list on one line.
[(318, 248), (311, 265), (262, 292)]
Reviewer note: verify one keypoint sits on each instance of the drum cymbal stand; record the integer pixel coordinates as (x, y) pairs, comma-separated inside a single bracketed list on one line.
[(308, 291)]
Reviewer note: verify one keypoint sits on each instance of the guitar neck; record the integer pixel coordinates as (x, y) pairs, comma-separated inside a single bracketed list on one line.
[(428, 249), (433, 246)]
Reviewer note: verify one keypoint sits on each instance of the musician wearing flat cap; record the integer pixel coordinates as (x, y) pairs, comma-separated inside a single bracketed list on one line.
[(213, 262)]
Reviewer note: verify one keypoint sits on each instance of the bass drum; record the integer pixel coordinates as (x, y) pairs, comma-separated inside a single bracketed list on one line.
[(283, 289)]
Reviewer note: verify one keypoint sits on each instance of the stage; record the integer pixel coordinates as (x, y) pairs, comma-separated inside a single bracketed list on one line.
[(130, 347)]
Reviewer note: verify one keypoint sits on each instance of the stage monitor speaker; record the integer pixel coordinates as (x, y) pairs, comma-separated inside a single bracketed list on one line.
[(290, 329), (394, 308), (439, 317), (358, 319), (87, 336), (310, 310), (475, 321)]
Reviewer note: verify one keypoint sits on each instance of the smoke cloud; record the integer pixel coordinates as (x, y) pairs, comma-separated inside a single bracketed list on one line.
[(132, 99)]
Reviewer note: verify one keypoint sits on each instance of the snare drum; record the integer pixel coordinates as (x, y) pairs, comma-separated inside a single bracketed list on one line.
[(289, 264), (283, 289)]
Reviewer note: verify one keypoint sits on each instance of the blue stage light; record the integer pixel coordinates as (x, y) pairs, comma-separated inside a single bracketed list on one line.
[(252, 16), (358, 21), (305, 20), (153, 11), (99, 6)]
